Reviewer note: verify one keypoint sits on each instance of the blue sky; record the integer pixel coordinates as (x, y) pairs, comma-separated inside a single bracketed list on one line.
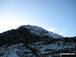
[(58, 16)]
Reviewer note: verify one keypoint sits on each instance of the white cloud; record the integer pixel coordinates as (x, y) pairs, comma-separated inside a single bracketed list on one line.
[(52, 29), (63, 31)]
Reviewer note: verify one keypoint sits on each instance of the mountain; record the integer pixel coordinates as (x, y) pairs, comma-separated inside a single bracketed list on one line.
[(28, 33), (33, 41), (40, 31)]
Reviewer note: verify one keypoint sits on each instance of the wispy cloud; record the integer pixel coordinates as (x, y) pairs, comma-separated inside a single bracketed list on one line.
[(51, 29), (63, 31)]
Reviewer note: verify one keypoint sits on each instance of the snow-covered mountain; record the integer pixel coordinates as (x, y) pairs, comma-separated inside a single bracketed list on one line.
[(33, 41), (40, 31)]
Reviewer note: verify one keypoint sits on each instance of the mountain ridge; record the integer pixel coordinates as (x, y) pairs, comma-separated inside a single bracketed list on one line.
[(40, 31)]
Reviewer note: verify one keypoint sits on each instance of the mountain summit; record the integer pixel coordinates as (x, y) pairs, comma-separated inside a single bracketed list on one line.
[(40, 31)]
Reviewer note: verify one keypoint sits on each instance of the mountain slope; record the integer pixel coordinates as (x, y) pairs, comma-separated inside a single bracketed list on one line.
[(39, 49)]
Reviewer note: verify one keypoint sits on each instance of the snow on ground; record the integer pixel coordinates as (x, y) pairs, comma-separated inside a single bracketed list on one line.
[(14, 51), (49, 50)]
